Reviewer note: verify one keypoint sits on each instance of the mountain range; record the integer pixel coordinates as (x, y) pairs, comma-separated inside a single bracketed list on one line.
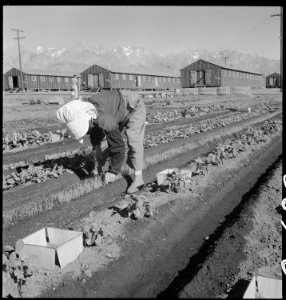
[(130, 59)]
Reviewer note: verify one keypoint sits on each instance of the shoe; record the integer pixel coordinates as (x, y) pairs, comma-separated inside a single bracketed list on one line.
[(136, 184)]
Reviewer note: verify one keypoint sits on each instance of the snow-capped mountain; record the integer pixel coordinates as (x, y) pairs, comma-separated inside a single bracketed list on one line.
[(130, 58)]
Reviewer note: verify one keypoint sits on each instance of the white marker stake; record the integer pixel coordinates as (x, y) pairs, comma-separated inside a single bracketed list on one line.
[(283, 203), (284, 180), (283, 263)]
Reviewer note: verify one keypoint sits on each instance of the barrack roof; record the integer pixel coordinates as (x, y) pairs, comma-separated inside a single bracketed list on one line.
[(223, 67)]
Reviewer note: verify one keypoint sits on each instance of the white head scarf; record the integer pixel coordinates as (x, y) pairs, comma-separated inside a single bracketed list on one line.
[(76, 115)]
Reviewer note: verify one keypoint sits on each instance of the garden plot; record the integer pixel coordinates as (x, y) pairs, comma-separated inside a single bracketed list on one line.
[(53, 168), (171, 211), (120, 229)]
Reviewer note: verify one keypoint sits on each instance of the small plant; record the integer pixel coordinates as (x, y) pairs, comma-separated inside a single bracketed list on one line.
[(92, 235), (14, 272)]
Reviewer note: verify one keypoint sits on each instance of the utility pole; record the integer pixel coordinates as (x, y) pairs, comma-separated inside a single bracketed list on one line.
[(281, 46), (18, 38), (225, 57)]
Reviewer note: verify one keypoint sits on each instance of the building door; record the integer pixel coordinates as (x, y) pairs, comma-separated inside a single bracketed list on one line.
[(101, 80), (15, 82), (10, 82), (138, 81), (208, 77), (193, 79), (156, 81), (89, 81), (95, 81), (200, 78)]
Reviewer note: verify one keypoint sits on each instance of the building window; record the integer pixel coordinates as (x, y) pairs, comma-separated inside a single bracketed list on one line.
[(59, 79), (34, 78), (66, 79), (229, 73), (51, 79), (124, 76), (237, 74), (178, 80), (117, 76), (42, 78), (225, 73), (130, 77)]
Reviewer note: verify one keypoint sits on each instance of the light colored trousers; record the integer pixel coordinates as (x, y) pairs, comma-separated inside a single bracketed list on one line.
[(135, 130), (133, 137)]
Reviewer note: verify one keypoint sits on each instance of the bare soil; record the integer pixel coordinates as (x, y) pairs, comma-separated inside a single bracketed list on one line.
[(193, 231), (248, 242), (176, 232)]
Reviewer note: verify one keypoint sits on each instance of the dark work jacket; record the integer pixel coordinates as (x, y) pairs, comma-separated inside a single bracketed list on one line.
[(111, 112)]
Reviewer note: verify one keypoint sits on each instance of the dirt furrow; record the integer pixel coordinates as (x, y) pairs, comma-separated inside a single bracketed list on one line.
[(218, 270), (199, 145), (39, 152), (176, 233)]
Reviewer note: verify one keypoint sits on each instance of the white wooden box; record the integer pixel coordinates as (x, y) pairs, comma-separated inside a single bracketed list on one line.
[(267, 287), (52, 246)]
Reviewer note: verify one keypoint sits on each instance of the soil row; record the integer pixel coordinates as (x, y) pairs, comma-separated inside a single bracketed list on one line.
[(16, 209), (21, 140), (218, 270), (25, 207), (177, 225), (10, 159), (59, 164)]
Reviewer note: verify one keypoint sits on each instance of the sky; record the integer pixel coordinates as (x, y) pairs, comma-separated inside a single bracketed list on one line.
[(160, 29)]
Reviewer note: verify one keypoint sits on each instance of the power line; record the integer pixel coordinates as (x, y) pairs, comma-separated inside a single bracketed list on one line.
[(281, 46), (225, 57), (19, 38), (247, 32)]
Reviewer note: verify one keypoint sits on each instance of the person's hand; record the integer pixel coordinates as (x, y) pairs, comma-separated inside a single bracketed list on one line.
[(110, 177), (97, 171)]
